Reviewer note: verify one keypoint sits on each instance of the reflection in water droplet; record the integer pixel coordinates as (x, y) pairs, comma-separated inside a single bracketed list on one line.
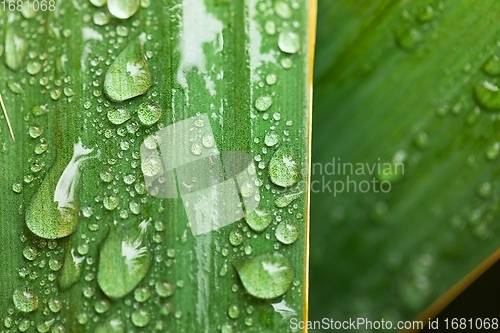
[(289, 41), (25, 300), (53, 212), (123, 9), (265, 276), (287, 232), (284, 169)]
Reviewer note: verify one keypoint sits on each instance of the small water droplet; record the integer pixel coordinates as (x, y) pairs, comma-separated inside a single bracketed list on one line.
[(149, 113), (289, 41), (284, 170), (118, 116), (111, 325), (30, 252), (286, 199), (100, 18), (164, 289), (425, 14), (25, 299), (265, 276), (287, 232), (233, 311), (140, 318), (271, 138), (123, 9), (17, 187), (111, 202), (34, 67), (258, 220), (263, 103), (492, 151), (282, 9), (421, 140), (271, 79), (35, 131), (235, 237), (408, 38)]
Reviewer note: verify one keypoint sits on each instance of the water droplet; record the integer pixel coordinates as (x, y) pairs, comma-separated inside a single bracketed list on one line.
[(17, 187), (421, 140), (15, 87), (235, 237), (53, 211), (164, 289), (55, 305), (149, 113), (286, 199), (196, 148), (140, 318), (34, 67), (233, 311), (151, 166), (287, 232), (123, 9), (484, 190), (45, 326), (118, 116), (271, 138), (286, 63), (30, 252), (258, 220), (25, 300), (492, 66), (102, 306), (226, 328), (15, 49), (29, 11), (208, 140), (265, 276), (270, 28), (142, 294), (72, 269), (98, 3), (492, 151), (129, 75), (35, 131), (124, 260), (282, 9), (111, 202), (284, 170), (24, 325), (111, 325), (39, 110), (263, 103), (101, 18), (408, 38), (289, 41), (487, 95), (271, 79), (425, 14)]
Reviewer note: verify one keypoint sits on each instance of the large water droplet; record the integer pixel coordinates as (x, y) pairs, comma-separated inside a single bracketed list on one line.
[(124, 260), (149, 113), (15, 49), (284, 170), (266, 276), (282, 9), (72, 269), (289, 41), (487, 95), (123, 9), (258, 220), (25, 299), (53, 212), (129, 75)]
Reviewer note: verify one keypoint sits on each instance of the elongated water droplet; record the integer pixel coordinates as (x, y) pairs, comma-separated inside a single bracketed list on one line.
[(286, 199), (15, 49), (15, 87), (25, 299), (149, 113), (129, 75), (289, 41), (282, 9), (53, 212), (284, 170), (72, 269), (124, 260), (123, 9), (287, 232), (258, 220), (266, 276), (487, 95)]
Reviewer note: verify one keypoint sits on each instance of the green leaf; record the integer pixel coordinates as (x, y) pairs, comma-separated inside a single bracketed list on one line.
[(140, 170), (397, 82)]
